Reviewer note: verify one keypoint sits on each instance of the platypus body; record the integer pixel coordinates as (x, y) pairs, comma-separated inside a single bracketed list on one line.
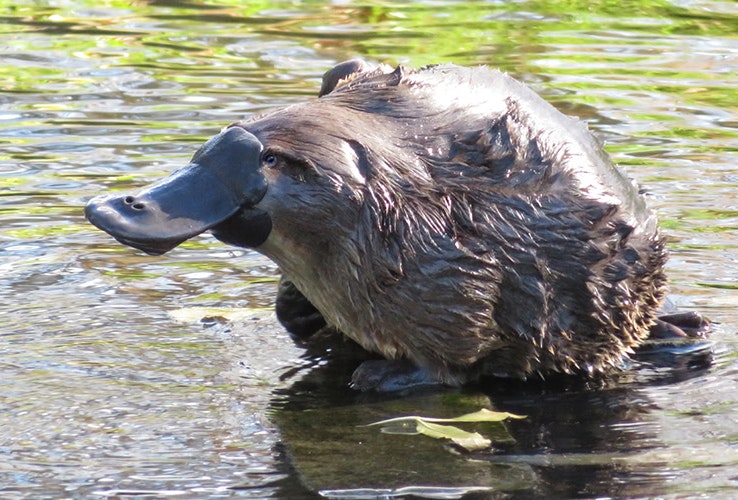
[(448, 219)]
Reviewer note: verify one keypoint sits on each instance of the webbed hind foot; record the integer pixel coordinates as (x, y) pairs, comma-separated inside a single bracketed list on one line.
[(383, 375), (680, 326)]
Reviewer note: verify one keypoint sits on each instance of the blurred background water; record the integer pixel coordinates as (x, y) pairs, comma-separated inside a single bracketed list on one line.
[(112, 384)]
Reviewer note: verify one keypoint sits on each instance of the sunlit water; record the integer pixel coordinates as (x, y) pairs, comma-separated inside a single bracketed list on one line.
[(110, 384)]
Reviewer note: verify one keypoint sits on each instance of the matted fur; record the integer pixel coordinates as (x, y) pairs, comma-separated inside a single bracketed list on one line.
[(452, 217)]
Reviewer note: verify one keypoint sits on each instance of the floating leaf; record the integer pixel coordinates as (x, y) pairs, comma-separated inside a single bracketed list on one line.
[(403, 426), (430, 427), (194, 314), (470, 441), (483, 415), (446, 493)]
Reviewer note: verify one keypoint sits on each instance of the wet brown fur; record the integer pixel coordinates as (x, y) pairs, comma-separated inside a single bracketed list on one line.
[(453, 218)]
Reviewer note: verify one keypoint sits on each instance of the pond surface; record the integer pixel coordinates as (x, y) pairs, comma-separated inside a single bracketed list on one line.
[(112, 382)]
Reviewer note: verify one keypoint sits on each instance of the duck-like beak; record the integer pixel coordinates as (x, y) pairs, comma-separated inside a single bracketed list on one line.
[(224, 178)]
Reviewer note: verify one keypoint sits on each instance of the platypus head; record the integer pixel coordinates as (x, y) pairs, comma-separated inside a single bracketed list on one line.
[(284, 178), (224, 179), (242, 179)]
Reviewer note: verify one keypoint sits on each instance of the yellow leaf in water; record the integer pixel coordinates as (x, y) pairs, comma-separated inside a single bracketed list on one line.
[(470, 441), (430, 427), (483, 415), (194, 314)]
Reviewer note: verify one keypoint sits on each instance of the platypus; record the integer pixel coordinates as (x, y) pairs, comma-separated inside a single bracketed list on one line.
[(448, 219)]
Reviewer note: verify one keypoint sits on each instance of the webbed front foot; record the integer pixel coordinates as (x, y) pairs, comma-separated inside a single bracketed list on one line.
[(295, 312)]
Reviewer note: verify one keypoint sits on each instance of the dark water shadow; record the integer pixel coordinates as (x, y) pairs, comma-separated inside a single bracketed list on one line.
[(577, 440)]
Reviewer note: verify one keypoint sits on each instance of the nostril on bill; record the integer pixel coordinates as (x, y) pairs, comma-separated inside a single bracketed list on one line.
[(130, 200)]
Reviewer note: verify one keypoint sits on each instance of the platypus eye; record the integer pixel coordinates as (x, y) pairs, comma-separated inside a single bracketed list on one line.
[(270, 160)]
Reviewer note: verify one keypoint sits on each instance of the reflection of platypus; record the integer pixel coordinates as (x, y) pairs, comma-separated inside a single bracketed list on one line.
[(448, 219)]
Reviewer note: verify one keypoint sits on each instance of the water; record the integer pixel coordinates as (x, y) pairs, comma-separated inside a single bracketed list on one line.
[(113, 385)]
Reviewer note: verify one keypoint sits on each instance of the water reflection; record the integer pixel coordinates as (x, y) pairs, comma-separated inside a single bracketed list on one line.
[(576, 440), (103, 393)]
